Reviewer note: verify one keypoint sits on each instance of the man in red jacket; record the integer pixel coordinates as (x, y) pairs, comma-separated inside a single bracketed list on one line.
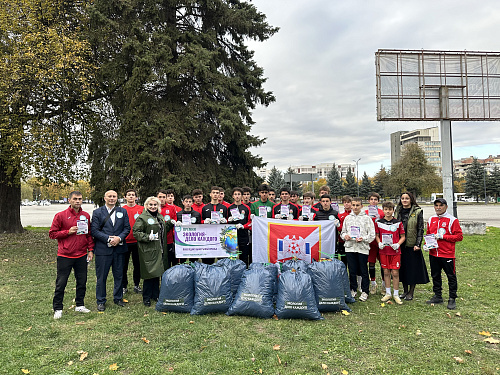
[(71, 229), (446, 229)]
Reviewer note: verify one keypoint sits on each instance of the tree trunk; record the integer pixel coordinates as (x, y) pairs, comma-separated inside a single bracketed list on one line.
[(10, 203)]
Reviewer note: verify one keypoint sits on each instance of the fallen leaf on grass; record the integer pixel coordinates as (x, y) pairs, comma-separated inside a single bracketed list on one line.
[(345, 372), (70, 363), (402, 326), (345, 312), (279, 360), (389, 302), (100, 312), (469, 285), (485, 333), (260, 371), (28, 329), (382, 304), (275, 317), (191, 322), (325, 351), (276, 347), (468, 351), (114, 367), (83, 356), (324, 367), (253, 359), (448, 315), (145, 340), (25, 371), (491, 340), (418, 332), (171, 369), (145, 315), (458, 359), (458, 314), (125, 300)]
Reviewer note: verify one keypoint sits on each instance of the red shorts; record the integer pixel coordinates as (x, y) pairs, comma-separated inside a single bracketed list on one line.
[(373, 255), (390, 262)]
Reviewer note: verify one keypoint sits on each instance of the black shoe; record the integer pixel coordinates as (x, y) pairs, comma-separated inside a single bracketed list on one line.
[(451, 304), (101, 307), (147, 303), (137, 289), (125, 290), (435, 300), (408, 297), (404, 295), (119, 302)]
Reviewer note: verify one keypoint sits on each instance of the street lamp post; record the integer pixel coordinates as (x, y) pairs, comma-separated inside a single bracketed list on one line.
[(357, 179)]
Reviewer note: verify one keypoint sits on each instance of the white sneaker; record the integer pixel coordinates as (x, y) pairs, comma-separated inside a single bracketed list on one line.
[(363, 297), (57, 314), (386, 298), (82, 309), (353, 293), (373, 287), (398, 300)]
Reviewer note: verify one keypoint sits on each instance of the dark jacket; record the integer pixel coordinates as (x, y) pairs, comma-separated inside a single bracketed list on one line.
[(413, 225), (326, 215), (121, 228), (150, 252)]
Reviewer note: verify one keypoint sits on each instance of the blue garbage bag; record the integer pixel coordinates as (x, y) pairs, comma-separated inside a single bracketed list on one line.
[(273, 268), (297, 264), (236, 268), (255, 294), (212, 290), (345, 280), (296, 298), (177, 289), (328, 286)]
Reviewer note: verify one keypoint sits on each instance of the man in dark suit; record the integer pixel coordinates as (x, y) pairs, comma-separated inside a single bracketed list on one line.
[(110, 226)]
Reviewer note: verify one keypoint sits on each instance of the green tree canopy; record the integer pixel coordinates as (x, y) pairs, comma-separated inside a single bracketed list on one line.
[(180, 83), (334, 181), (413, 173), (493, 182), (475, 180), (350, 185), (381, 182), (365, 187), (276, 180)]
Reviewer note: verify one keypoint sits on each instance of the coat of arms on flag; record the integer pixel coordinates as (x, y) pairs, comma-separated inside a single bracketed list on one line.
[(278, 240)]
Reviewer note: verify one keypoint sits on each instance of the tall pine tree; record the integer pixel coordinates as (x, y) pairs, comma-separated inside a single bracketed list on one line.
[(350, 186), (180, 85), (365, 187), (276, 180), (334, 182), (475, 179)]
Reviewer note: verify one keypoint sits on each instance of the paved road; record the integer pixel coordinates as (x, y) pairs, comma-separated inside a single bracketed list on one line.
[(41, 216)]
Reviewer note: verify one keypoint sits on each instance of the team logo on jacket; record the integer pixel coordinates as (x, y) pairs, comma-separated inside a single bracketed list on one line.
[(443, 225), (442, 231), (151, 221), (119, 215), (393, 228), (136, 216)]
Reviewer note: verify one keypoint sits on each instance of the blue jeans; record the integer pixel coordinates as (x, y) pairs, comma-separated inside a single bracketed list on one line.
[(102, 265)]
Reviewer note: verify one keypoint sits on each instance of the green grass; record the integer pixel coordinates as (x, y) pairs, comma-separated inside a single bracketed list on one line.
[(371, 340)]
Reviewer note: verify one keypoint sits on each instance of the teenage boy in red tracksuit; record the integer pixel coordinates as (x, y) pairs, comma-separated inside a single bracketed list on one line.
[(447, 231), (197, 200), (133, 211), (239, 215), (374, 199), (169, 213), (71, 229)]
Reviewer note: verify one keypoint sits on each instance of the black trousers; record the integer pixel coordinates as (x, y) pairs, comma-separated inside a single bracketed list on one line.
[(448, 266), (64, 267), (168, 257), (357, 264), (246, 250), (132, 249), (151, 289)]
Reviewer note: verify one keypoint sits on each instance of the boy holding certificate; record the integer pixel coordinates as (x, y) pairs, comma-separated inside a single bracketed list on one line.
[(357, 232), (188, 216), (390, 234), (263, 207), (376, 214)]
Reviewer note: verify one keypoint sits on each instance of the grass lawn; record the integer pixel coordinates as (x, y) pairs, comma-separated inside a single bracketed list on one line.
[(414, 338)]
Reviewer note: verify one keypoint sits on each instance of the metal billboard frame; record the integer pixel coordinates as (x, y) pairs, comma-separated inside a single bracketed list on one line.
[(432, 85)]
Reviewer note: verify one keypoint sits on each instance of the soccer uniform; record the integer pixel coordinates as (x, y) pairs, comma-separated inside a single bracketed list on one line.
[(389, 231), (443, 258), (242, 216), (373, 256), (209, 207), (194, 215), (198, 207), (169, 212), (268, 204), (293, 209), (340, 250), (132, 249)]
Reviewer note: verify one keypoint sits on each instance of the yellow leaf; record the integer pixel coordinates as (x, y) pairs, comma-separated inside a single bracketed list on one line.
[(345, 372), (28, 329), (113, 367), (83, 356), (468, 351), (382, 304), (260, 371), (25, 371), (145, 340), (276, 347), (485, 333), (448, 315), (70, 363), (491, 340), (125, 300), (458, 359), (191, 322), (324, 367), (418, 332), (279, 360), (345, 312), (458, 314), (325, 351)]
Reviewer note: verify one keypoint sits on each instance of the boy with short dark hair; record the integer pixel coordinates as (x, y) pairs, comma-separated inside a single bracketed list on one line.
[(264, 202), (133, 211), (221, 197), (323, 190), (213, 206), (239, 215), (272, 195), (197, 200), (247, 195), (294, 198), (390, 234), (308, 200), (285, 209), (188, 216)]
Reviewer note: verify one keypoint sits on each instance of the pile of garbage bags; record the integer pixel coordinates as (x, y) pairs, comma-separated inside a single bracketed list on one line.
[(301, 291)]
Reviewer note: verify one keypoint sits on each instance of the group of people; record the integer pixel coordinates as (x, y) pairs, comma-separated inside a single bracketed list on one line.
[(392, 235)]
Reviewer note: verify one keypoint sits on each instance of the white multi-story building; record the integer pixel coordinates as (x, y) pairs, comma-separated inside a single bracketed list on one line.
[(426, 139), (323, 169)]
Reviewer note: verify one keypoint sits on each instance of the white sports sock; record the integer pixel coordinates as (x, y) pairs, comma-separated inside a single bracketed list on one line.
[(388, 291), (396, 292)]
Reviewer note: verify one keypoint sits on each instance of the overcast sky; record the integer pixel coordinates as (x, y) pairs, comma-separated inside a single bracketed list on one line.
[(321, 68)]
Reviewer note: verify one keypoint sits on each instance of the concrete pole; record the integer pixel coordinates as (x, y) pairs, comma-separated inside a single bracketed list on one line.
[(446, 152)]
